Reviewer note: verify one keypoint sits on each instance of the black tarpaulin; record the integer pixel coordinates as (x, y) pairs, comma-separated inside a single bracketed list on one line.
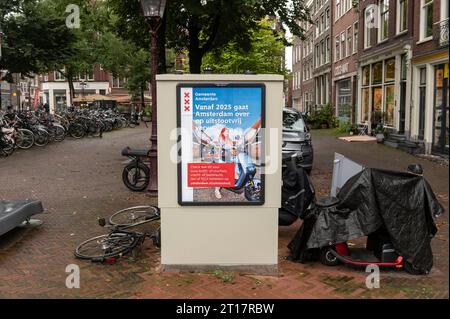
[(297, 192), (403, 203)]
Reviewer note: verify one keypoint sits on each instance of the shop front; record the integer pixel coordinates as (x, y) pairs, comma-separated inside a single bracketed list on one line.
[(441, 109), (430, 112), (378, 93)]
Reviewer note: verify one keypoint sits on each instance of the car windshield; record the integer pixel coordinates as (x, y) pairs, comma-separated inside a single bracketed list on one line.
[(293, 121)]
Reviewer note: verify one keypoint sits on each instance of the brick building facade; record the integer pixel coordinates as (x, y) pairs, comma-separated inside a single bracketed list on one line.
[(345, 58), (388, 64)]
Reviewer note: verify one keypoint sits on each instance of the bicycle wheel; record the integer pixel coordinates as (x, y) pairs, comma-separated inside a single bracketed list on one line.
[(24, 139), (111, 245), (60, 133), (133, 215), (76, 130), (41, 138), (136, 177)]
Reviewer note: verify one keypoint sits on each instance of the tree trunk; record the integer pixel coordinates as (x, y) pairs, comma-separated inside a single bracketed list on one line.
[(71, 90), (143, 96), (195, 53), (69, 76)]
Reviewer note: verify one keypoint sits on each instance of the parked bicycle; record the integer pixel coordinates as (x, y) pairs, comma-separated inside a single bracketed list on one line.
[(122, 240), (29, 128), (136, 174)]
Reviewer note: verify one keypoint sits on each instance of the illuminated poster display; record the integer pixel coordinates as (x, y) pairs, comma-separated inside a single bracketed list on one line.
[(221, 144)]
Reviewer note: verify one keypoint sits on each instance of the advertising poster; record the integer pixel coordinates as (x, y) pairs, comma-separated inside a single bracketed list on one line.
[(221, 147)]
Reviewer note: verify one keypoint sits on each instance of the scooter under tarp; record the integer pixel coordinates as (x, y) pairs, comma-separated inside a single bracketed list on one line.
[(396, 210)]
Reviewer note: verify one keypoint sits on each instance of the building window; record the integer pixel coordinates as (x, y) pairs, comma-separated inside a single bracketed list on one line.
[(366, 76), (88, 76), (336, 51), (317, 28), (422, 101), (322, 24), (342, 45), (377, 73), (338, 9), (344, 100), (389, 75), (349, 41), (369, 22), (355, 37), (365, 100), (378, 94), (327, 20), (426, 19), (328, 50), (384, 20), (119, 82), (402, 16), (59, 75)]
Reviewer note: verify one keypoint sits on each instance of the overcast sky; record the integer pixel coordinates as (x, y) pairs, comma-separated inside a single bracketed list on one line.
[(288, 52)]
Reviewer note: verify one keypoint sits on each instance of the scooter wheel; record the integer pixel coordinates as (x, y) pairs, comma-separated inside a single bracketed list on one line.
[(411, 269), (327, 258), (253, 193)]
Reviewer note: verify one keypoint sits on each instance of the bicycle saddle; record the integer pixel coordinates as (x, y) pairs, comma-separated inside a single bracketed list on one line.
[(127, 151), (13, 213)]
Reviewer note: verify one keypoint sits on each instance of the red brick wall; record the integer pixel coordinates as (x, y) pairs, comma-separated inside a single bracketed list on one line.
[(429, 46)]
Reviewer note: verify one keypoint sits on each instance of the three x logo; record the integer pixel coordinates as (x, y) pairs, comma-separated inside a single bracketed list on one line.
[(187, 100)]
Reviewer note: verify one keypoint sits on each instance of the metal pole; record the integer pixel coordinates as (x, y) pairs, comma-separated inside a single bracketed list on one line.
[(153, 187), (1, 39)]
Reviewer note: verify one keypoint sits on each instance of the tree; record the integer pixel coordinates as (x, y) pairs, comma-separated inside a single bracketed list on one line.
[(266, 54), (139, 74), (95, 19), (34, 41), (201, 26)]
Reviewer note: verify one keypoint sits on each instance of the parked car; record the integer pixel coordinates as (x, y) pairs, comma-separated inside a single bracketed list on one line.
[(297, 139)]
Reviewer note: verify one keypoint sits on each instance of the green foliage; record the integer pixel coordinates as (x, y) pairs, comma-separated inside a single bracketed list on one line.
[(204, 26), (324, 117), (344, 127), (224, 277), (147, 111), (264, 56), (35, 39)]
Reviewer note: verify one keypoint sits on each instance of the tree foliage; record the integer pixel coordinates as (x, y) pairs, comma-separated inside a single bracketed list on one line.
[(34, 41), (266, 54), (201, 26)]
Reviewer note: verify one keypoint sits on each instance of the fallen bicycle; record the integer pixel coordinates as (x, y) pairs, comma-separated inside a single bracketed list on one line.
[(122, 240)]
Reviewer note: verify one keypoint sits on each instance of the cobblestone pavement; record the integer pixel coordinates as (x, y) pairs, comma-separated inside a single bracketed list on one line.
[(79, 180)]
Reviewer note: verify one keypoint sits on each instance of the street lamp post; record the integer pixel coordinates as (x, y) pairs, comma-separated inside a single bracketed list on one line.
[(153, 11), (1, 38)]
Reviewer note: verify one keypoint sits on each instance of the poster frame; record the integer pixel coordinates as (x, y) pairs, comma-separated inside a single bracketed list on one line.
[(262, 86)]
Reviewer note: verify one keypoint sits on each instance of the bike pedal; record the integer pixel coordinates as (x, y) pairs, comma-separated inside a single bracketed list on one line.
[(102, 222)]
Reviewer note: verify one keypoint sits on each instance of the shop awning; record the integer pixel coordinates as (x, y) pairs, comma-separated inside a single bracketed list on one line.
[(94, 97)]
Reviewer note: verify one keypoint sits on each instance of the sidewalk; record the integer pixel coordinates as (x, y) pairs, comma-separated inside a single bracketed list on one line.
[(81, 180)]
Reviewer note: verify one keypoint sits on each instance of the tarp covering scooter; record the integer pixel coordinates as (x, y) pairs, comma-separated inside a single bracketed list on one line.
[(401, 202)]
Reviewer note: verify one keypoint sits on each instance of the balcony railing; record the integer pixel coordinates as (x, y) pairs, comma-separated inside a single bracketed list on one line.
[(441, 36)]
